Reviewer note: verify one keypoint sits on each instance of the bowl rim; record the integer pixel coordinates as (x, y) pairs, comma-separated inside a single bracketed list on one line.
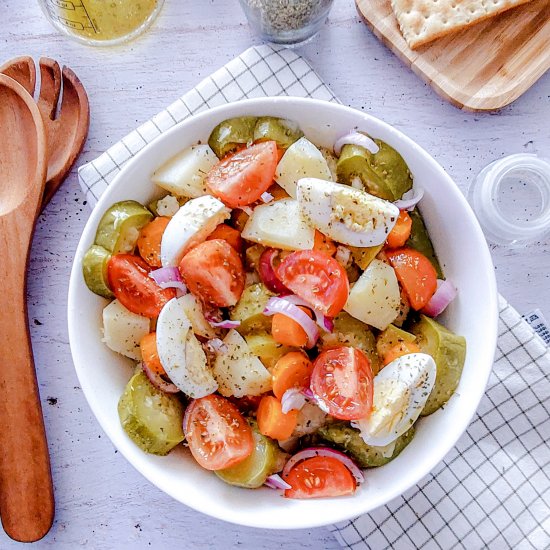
[(460, 425)]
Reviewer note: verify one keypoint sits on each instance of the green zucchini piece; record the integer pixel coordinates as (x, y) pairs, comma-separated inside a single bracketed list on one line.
[(420, 240), (264, 346), (349, 331), (231, 133), (343, 436), (284, 132), (119, 228), (250, 307), (390, 337), (94, 269), (384, 174), (449, 353), (152, 418), (252, 472)]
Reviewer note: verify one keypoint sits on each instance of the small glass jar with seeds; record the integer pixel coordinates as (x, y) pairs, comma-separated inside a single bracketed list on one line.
[(286, 21)]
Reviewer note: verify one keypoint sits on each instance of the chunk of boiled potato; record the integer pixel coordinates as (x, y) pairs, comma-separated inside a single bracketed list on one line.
[(123, 330), (238, 371), (374, 298), (279, 224), (301, 160), (183, 175)]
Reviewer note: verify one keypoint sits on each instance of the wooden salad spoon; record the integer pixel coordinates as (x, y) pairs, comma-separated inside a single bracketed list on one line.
[(66, 133), (26, 492)]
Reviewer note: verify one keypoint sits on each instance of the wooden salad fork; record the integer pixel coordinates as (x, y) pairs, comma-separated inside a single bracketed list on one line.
[(67, 132), (26, 492)]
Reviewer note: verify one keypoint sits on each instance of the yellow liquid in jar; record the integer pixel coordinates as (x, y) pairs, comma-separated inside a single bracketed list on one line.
[(101, 20)]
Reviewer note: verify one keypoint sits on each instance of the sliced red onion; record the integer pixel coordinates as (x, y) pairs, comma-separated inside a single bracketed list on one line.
[(326, 323), (226, 324), (293, 399), (283, 306), (158, 381), (266, 197), (213, 315), (410, 199), (355, 138), (444, 295), (275, 481), (267, 271), (309, 394), (325, 451), (169, 277), (216, 345)]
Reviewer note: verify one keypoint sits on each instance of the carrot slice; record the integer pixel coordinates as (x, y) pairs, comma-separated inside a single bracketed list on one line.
[(149, 240), (229, 234), (150, 354), (292, 370), (272, 422), (323, 243), (288, 332), (400, 349), (401, 231), (415, 273)]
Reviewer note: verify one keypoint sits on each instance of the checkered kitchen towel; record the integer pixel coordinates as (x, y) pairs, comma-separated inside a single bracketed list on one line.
[(493, 490)]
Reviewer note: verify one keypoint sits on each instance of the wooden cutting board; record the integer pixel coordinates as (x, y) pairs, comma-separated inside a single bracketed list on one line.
[(481, 68)]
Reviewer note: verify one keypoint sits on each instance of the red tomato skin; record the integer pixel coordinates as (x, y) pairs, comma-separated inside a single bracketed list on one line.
[(131, 284), (320, 477), (415, 273), (232, 446), (342, 381), (213, 271), (241, 178), (316, 277)]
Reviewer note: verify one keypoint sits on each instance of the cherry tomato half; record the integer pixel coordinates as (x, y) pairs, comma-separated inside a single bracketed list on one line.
[(320, 476), (217, 433), (317, 278), (241, 178), (130, 282), (213, 271), (342, 381)]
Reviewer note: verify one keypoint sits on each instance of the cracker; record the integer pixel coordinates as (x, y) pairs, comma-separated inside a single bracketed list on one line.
[(422, 21)]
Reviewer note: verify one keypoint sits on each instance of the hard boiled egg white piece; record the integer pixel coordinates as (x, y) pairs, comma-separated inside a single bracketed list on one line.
[(346, 215), (191, 224), (180, 352), (401, 389)]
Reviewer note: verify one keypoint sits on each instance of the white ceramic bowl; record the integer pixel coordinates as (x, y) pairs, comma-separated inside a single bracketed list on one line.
[(462, 252)]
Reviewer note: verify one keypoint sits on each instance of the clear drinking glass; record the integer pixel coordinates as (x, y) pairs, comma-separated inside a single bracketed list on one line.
[(101, 22), (286, 21)]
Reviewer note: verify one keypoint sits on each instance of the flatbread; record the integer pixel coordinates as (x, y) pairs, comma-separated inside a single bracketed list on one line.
[(422, 21)]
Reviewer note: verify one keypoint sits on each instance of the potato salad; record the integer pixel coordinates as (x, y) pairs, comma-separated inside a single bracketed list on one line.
[(279, 302)]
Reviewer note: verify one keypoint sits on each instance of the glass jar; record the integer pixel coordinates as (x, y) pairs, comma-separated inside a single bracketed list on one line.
[(101, 22), (286, 21), (511, 198)]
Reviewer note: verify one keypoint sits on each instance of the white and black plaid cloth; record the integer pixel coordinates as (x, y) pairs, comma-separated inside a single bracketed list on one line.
[(493, 490)]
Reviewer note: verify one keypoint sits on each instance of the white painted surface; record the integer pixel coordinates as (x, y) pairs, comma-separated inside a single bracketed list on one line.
[(101, 501)]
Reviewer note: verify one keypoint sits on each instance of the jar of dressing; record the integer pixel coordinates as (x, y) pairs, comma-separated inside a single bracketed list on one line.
[(101, 22), (511, 198)]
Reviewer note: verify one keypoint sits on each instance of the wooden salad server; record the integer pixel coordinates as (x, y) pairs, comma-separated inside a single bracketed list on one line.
[(67, 132), (26, 492)]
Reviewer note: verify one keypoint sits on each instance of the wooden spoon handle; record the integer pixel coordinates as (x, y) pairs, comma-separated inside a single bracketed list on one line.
[(26, 492)]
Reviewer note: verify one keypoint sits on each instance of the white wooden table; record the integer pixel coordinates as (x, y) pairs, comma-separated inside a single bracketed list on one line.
[(101, 501)]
